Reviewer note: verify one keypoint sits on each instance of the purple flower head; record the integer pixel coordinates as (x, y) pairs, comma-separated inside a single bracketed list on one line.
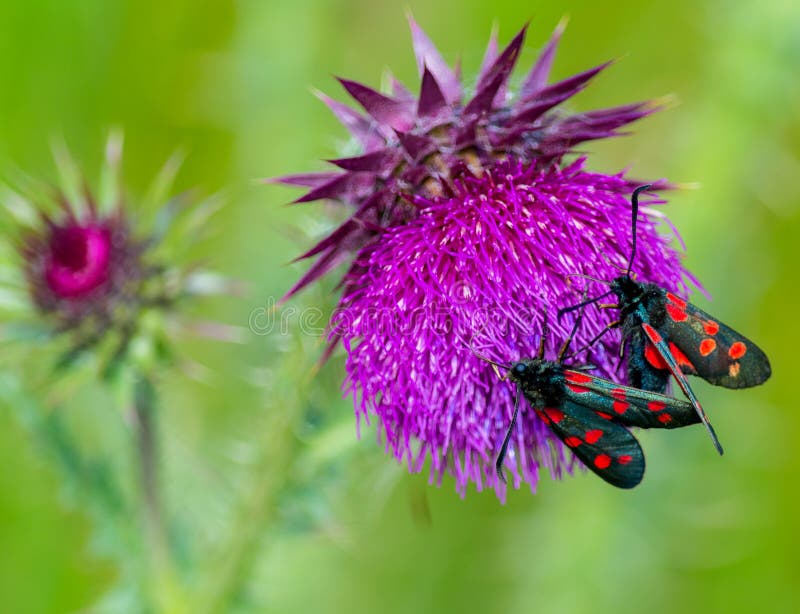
[(468, 223)]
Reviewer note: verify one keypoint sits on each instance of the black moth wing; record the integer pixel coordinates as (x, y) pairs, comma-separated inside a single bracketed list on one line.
[(626, 405), (719, 354), (605, 447)]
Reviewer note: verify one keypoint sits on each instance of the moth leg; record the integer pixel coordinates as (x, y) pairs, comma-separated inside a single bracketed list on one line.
[(598, 336)]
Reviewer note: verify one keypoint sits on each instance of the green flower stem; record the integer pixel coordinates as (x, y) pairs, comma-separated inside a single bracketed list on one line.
[(161, 576), (144, 401)]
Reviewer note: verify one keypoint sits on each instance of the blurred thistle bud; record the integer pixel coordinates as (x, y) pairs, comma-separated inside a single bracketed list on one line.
[(101, 277), (470, 214)]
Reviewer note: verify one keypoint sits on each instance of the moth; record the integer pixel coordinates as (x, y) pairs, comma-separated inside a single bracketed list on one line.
[(590, 414), (664, 336)]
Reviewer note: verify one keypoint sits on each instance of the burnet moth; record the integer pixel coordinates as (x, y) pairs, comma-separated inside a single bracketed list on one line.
[(589, 414), (665, 334)]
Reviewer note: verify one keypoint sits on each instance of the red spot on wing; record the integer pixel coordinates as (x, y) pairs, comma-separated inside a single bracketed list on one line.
[(676, 313), (573, 442), (553, 414), (618, 393), (737, 350), (621, 406), (679, 356), (625, 459), (707, 346), (604, 415), (664, 418), (578, 378), (652, 333), (656, 405), (593, 435), (711, 328), (578, 389), (653, 356), (602, 461), (677, 300)]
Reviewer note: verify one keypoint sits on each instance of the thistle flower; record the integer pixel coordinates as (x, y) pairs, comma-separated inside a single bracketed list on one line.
[(96, 277), (468, 222)]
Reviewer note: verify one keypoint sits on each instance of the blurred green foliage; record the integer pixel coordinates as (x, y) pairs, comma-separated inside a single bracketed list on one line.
[(326, 523)]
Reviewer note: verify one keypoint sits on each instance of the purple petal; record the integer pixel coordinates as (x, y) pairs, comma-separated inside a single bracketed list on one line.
[(322, 266), (490, 56), (504, 64), (571, 85), (359, 126), (431, 99), (539, 106), (484, 98), (416, 146), (412, 175), (428, 56), (540, 73), (466, 133), (333, 240), (395, 113), (307, 180), (400, 91), (343, 187), (374, 162), (615, 117), (598, 124), (343, 238)]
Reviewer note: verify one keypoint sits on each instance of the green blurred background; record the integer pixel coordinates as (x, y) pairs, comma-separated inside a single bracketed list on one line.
[(348, 530)]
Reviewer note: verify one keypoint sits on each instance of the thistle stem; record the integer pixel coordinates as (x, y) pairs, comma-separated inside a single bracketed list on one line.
[(144, 408), (161, 576)]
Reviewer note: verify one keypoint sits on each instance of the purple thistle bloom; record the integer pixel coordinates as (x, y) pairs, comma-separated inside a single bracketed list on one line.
[(467, 223)]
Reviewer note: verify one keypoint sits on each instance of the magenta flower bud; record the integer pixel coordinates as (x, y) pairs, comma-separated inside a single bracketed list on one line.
[(84, 267), (468, 225), (78, 260), (103, 274)]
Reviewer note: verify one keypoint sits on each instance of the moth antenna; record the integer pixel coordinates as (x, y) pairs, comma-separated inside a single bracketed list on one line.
[(565, 310), (635, 215), (495, 365), (498, 464), (589, 277), (611, 263)]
